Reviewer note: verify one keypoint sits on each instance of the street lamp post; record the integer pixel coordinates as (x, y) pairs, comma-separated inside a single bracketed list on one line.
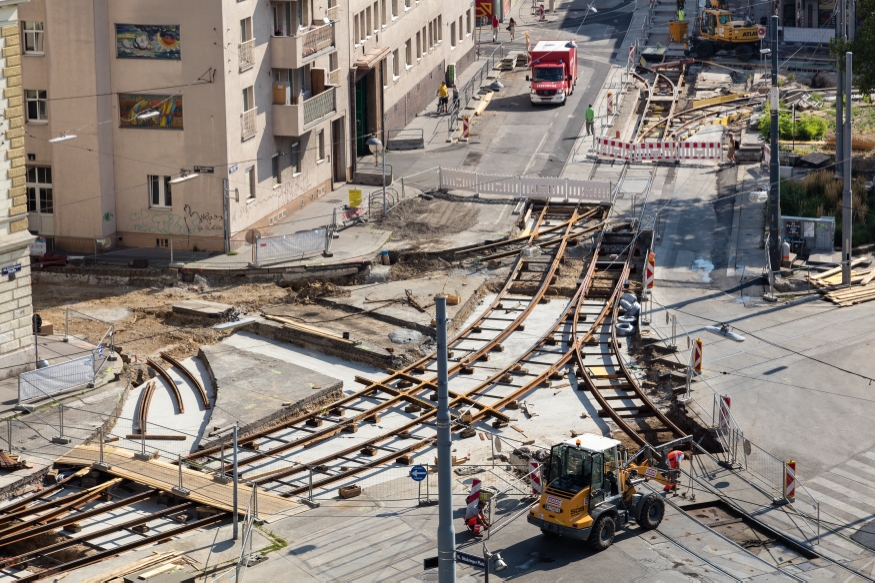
[(376, 147)]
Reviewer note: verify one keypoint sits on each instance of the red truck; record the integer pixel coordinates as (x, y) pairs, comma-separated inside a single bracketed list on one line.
[(553, 74)]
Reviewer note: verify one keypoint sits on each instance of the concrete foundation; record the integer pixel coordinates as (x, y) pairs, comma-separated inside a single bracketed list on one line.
[(202, 309), (251, 389)]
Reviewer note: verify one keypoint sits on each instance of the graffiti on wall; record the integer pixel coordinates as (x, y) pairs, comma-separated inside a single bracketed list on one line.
[(132, 106), (190, 222), (147, 41), (243, 215)]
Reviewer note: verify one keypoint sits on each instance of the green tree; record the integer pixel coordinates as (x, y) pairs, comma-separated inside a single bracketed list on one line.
[(863, 48)]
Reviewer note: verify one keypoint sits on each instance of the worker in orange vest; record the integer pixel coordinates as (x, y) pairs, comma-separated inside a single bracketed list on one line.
[(674, 462)]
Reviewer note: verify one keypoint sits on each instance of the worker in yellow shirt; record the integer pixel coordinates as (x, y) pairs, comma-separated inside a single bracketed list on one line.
[(443, 95)]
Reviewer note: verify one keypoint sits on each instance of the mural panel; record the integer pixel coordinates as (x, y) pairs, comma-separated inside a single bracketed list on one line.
[(134, 107), (147, 41)]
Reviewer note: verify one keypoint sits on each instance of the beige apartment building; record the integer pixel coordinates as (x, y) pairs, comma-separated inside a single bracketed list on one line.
[(158, 122), (400, 50), (16, 336), (194, 119)]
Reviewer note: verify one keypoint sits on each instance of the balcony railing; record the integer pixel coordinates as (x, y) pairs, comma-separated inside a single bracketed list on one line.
[(319, 106), (334, 77), (246, 50), (319, 39), (334, 13), (249, 124)]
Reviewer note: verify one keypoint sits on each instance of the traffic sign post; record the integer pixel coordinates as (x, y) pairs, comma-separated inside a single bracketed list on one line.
[(419, 474)]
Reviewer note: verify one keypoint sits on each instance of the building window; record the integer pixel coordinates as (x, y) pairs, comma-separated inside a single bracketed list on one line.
[(246, 29), (383, 12), (396, 64), (452, 34), (296, 158), (248, 98), (33, 38), (418, 45), (408, 53), (468, 21), (384, 71), (275, 169), (36, 106), (460, 29), (368, 22), (39, 189), (159, 192), (440, 28), (430, 34), (320, 145), (407, 4), (376, 17), (249, 177), (394, 8)]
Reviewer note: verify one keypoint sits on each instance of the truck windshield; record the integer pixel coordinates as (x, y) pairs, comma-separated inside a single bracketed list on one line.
[(548, 74), (570, 468)]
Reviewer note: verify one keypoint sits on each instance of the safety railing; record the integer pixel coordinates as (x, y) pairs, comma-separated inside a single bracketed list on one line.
[(334, 77), (295, 246), (316, 40), (379, 206), (249, 123), (246, 53), (319, 106)]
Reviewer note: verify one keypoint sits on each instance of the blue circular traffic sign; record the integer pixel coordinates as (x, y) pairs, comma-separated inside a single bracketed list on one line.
[(418, 473)]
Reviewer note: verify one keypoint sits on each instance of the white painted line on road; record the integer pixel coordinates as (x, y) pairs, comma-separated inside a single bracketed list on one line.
[(826, 500), (851, 494), (849, 476), (538, 149), (870, 455), (860, 466)]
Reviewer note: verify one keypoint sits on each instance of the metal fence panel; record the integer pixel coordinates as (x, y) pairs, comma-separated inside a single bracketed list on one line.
[(498, 184), (291, 246), (595, 190), (54, 379), (542, 187), (458, 179)]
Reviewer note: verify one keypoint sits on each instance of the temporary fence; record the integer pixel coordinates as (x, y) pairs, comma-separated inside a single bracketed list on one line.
[(614, 149), (287, 247), (167, 249), (524, 186), (54, 379)]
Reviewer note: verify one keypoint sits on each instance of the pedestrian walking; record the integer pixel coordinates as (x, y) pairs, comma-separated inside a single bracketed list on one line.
[(590, 120), (494, 28), (511, 27)]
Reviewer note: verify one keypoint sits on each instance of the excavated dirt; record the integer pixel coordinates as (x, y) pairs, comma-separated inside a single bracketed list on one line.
[(420, 220), (412, 265)]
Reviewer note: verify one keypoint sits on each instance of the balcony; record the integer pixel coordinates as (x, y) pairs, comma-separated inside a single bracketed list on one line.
[(292, 52), (246, 53), (249, 124), (297, 118), (333, 13), (334, 77)]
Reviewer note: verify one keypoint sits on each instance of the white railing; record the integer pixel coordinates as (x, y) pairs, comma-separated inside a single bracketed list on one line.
[(316, 40), (248, 123), (524, 186), (334, 77), (333, 13), (246, 52)]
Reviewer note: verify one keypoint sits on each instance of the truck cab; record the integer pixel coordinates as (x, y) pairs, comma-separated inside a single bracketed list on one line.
[(552, 71), (589, 493)]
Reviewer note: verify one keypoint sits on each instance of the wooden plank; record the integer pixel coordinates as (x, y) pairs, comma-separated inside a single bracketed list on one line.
[(173, 388), (835, 270), (190, 376), (133, 567)]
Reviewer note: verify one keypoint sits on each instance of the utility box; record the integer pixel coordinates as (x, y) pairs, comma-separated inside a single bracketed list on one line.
[(809, 235)]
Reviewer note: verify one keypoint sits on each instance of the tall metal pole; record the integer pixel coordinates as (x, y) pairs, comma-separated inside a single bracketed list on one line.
[(234, 518), (226, 202), (383, 151), (446, 531), (840, 87), (847, 195), (774, 165)]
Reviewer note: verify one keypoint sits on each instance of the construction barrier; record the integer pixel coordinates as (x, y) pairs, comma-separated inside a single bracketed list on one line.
[(657, 151), (466, 128), (650, 271), (535, 473), (790, 480), (697, 355), (524, 186), (724, 417), (699, 150), (767, 156), (610, 103), (474, 496), (615, 149)]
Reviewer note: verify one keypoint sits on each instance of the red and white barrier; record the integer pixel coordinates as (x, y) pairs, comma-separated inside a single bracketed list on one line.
[(790, 480), (535, 475), (650, 271), (697, 355), (610, 100), (699, 151), (767, 156), (615, 149), (657, 151), (724, 418), (474, 497)]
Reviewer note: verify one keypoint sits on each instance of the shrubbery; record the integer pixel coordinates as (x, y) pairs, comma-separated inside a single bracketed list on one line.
[(808, 127)]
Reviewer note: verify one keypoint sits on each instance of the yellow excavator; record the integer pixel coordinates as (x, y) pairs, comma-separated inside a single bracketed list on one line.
[(719, 32), (590, 492)]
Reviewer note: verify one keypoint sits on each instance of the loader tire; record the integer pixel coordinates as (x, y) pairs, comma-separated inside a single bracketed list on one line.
[(705, 50), (602, 534), (652, 512), (744, 52)]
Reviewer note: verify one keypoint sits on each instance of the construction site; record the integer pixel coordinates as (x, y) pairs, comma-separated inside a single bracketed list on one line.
[(276, 417)]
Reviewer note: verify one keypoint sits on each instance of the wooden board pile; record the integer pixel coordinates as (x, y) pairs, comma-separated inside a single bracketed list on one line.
[(862, 288)]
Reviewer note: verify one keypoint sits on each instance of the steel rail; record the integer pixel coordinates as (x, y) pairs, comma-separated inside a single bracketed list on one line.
[(73, 541), (190, 376), (456, 401), (417, 368), (38, 496), (166, 376), (100, 556)]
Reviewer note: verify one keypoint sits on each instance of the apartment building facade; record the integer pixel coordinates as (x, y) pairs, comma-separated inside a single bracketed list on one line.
[(16, 336), (203, 119), (399, 51)]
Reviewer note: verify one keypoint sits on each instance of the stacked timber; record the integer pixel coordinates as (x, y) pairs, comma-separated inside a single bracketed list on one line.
[(862, 288)]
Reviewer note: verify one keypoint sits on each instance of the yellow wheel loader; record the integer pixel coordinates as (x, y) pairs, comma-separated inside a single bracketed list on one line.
[(719, 32), (589, 492)]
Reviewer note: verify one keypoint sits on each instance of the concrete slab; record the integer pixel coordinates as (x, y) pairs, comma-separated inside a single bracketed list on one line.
[(203, 309), (388, 301), (251, 387)]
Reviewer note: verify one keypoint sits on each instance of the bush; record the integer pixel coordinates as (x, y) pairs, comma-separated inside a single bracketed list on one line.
[(808, 127)]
